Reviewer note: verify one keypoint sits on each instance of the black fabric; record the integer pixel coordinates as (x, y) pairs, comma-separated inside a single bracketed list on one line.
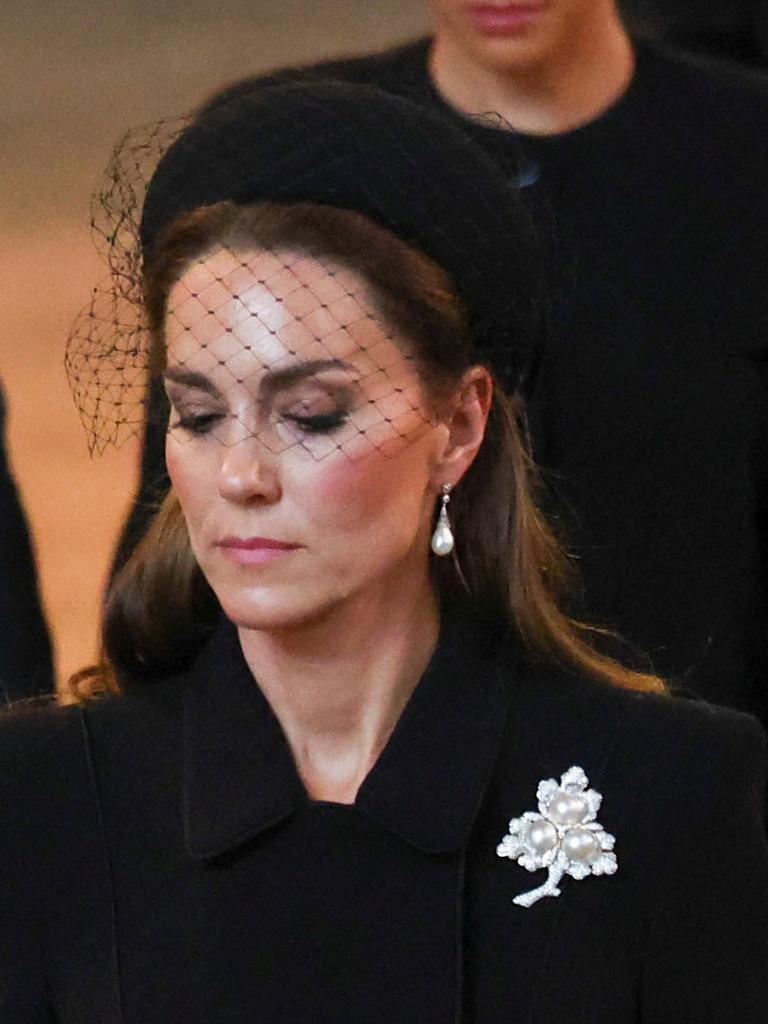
[(26, 668), (650, 414), (737, 30), (162, 862)]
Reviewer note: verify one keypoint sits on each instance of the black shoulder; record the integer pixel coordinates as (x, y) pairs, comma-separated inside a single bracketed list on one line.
[(46, 793), (44, 745), (708, 73), (37, 735), (396, 69), (684, 750), (723, 98), (51, 757), (681, 733), (697, 746)]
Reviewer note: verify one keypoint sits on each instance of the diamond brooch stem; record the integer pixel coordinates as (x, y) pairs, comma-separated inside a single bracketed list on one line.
[(442, 539), (548, 888)]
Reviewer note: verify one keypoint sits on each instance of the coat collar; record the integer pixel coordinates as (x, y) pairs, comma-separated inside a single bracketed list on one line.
[(239, 777)]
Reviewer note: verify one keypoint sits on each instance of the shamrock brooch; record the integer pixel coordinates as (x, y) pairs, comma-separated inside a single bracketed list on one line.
[(563, 837)]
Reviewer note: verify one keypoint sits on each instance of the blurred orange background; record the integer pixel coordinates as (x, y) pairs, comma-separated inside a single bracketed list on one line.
[(74, 76)]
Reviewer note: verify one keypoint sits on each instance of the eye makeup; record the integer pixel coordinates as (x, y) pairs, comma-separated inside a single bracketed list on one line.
[(315, 397)]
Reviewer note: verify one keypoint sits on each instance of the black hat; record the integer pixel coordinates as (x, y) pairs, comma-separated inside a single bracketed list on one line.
[(408, 168)]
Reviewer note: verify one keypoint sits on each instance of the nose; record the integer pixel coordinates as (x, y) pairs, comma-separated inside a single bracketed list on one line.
[(249, 473)]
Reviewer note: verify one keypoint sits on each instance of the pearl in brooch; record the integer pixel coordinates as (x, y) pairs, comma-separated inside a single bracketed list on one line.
[(566, 808), (542, 835), (579, 844), (563, 837)]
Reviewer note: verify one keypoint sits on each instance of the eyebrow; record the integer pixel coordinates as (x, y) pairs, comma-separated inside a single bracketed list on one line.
[(274, 380), (191, 379)]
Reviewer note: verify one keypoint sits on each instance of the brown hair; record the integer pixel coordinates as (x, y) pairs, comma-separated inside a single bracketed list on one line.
[(159, 609)]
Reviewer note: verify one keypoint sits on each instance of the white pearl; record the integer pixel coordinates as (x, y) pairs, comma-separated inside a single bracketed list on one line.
[(442, 540), (566, 808), (580, 844), (542, 835)]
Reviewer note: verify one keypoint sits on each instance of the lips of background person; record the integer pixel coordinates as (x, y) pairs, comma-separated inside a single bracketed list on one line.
[(506, 19)]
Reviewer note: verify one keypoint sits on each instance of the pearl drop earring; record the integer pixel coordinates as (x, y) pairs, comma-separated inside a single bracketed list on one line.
[(442, 538)]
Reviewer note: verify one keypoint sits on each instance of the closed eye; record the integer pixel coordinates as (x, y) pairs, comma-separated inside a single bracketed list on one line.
[(197, 423), (322, 423)]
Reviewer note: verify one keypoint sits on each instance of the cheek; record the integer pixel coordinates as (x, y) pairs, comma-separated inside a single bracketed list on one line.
[(372, 493), (192, 475), (345, 486)]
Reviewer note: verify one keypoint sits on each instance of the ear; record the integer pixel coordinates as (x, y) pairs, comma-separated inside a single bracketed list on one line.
[(466, 418)]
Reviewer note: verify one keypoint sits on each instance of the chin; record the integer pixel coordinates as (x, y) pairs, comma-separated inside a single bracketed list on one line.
[(271, 611), (510, 59), (511, 55)]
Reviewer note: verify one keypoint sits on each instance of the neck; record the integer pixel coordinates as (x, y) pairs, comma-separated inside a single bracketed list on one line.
[(561, 91), (339, 684)]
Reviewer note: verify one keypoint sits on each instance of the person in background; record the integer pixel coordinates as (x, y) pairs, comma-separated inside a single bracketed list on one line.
[(26, 668), (736, 30), (649, 413)]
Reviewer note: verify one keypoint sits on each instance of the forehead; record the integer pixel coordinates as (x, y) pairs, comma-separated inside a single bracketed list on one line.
[(269, 309)]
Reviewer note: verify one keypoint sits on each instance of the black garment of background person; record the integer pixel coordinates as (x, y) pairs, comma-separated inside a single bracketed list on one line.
[(187, 878), (650, 414), (734, 29), (26, 668)]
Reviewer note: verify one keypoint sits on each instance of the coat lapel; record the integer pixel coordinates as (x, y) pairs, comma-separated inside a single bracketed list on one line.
[(239, 777), (431, 778), (238, 774)]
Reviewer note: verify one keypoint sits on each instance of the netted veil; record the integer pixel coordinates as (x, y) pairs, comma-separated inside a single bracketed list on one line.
[(405, 170)]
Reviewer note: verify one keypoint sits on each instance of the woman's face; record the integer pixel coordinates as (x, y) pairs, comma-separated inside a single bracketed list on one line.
[(302, 445)]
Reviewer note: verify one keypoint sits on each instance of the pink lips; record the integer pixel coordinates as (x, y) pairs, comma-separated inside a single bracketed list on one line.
[(254, 550), (506, 20)]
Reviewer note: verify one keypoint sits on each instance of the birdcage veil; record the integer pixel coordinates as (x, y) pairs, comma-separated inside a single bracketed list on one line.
[(108, 348), (406, 175)]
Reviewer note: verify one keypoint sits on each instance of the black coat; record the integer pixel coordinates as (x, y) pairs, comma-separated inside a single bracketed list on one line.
[(737, 29), (26, 668), (161, 861)]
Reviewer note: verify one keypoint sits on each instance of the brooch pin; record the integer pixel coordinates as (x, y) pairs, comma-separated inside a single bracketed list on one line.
[(563, 837)]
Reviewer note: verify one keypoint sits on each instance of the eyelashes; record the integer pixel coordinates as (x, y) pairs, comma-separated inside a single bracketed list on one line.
[(200, 424), (321, 423)]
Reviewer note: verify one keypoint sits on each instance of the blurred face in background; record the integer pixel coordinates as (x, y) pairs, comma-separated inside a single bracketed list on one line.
[(518, 35)]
